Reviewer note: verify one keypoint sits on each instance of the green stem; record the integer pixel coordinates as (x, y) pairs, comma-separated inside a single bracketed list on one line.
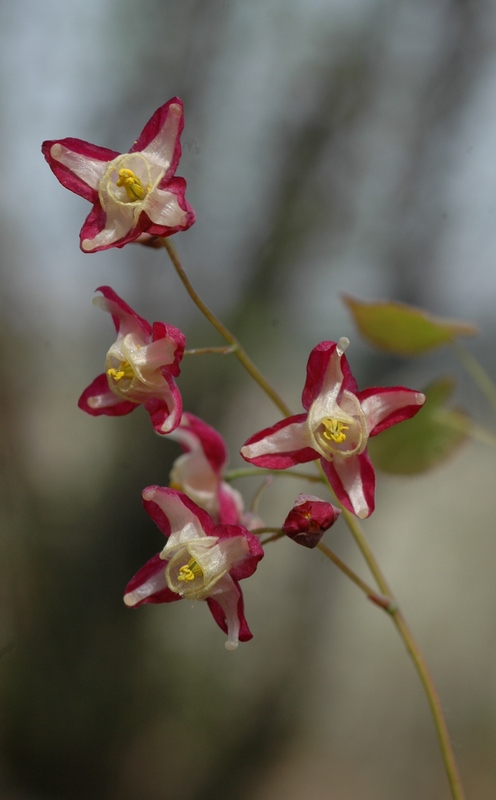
[(415, 655), (278, 533), (387, 601), (347, 571), (273, 538), (202, 351), (477, 372), (239, 352), (260, 531), (257, 472)]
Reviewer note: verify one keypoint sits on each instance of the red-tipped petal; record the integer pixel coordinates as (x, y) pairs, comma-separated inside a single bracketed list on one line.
[(227, 609), (125, 319), (283, 445), (326, 371), (78, 165), (98, 399), (384, 407), (353, 481), (149, 585)]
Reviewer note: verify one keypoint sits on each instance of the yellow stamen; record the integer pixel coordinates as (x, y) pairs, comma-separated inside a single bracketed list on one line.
[(132, 185), (190, 571), (125, 371), (334, 430)]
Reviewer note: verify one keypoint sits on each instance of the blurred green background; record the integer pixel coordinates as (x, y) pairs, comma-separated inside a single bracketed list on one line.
[(330, 146)]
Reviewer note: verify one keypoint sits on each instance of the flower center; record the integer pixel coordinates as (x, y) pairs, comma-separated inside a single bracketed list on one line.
[(334, 430), (132, 185), (125, 371), (190, 571)]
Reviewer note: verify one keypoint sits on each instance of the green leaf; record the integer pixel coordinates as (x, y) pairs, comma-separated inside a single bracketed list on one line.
[(404, 330), (423, 442)]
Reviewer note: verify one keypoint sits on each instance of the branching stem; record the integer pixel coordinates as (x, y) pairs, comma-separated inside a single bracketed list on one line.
[(416, 656), (385, 599), (239, 351)]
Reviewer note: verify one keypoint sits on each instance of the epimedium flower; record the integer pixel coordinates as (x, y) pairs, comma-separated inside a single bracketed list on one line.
[(198, 472), (139, 369), (133, 192), (201, 561), (336, 427), (308, 520)]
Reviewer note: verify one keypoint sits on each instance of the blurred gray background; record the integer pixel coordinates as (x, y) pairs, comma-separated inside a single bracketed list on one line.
[(330, 146)]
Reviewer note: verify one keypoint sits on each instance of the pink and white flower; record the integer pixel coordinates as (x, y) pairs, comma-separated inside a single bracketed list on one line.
[(201, 561), (140, 368), (308, 520), (131, 192), (198, 473), (336, 427)]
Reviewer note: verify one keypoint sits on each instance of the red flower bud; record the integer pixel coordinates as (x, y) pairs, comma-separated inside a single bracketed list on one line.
[(308, 519)]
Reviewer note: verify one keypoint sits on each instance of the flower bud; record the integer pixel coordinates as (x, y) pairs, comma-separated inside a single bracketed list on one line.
[(308, 519)]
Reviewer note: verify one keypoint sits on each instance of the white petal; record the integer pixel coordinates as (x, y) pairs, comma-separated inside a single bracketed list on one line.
[(120, 220), (349, 473), (161, 149), (192, 474), (227, 596), (379, 406), (163, 208), (294, 436), (154, 584), (325, 404), (90, 170), (157, 354), (185, 525)]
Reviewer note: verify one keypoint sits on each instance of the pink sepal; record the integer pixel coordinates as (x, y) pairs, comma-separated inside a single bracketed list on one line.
[(157, 513), (211, 442), (280, 460), (317, 365), (165, 498), (199, 471), (165, 417), (219, 615), (68, 178), (123, 316), (153, 128), (106, 401), (177, 187), (160, 330), (353, 481), (398, 404), (151, 569), (246, 567), (96, 220), (93, 224), (230, 504)]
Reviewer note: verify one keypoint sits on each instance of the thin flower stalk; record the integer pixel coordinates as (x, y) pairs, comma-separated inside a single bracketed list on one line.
[(389, 604), (331, 555), (415, 654), (203, 351), (238, 351), (251, 472)]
